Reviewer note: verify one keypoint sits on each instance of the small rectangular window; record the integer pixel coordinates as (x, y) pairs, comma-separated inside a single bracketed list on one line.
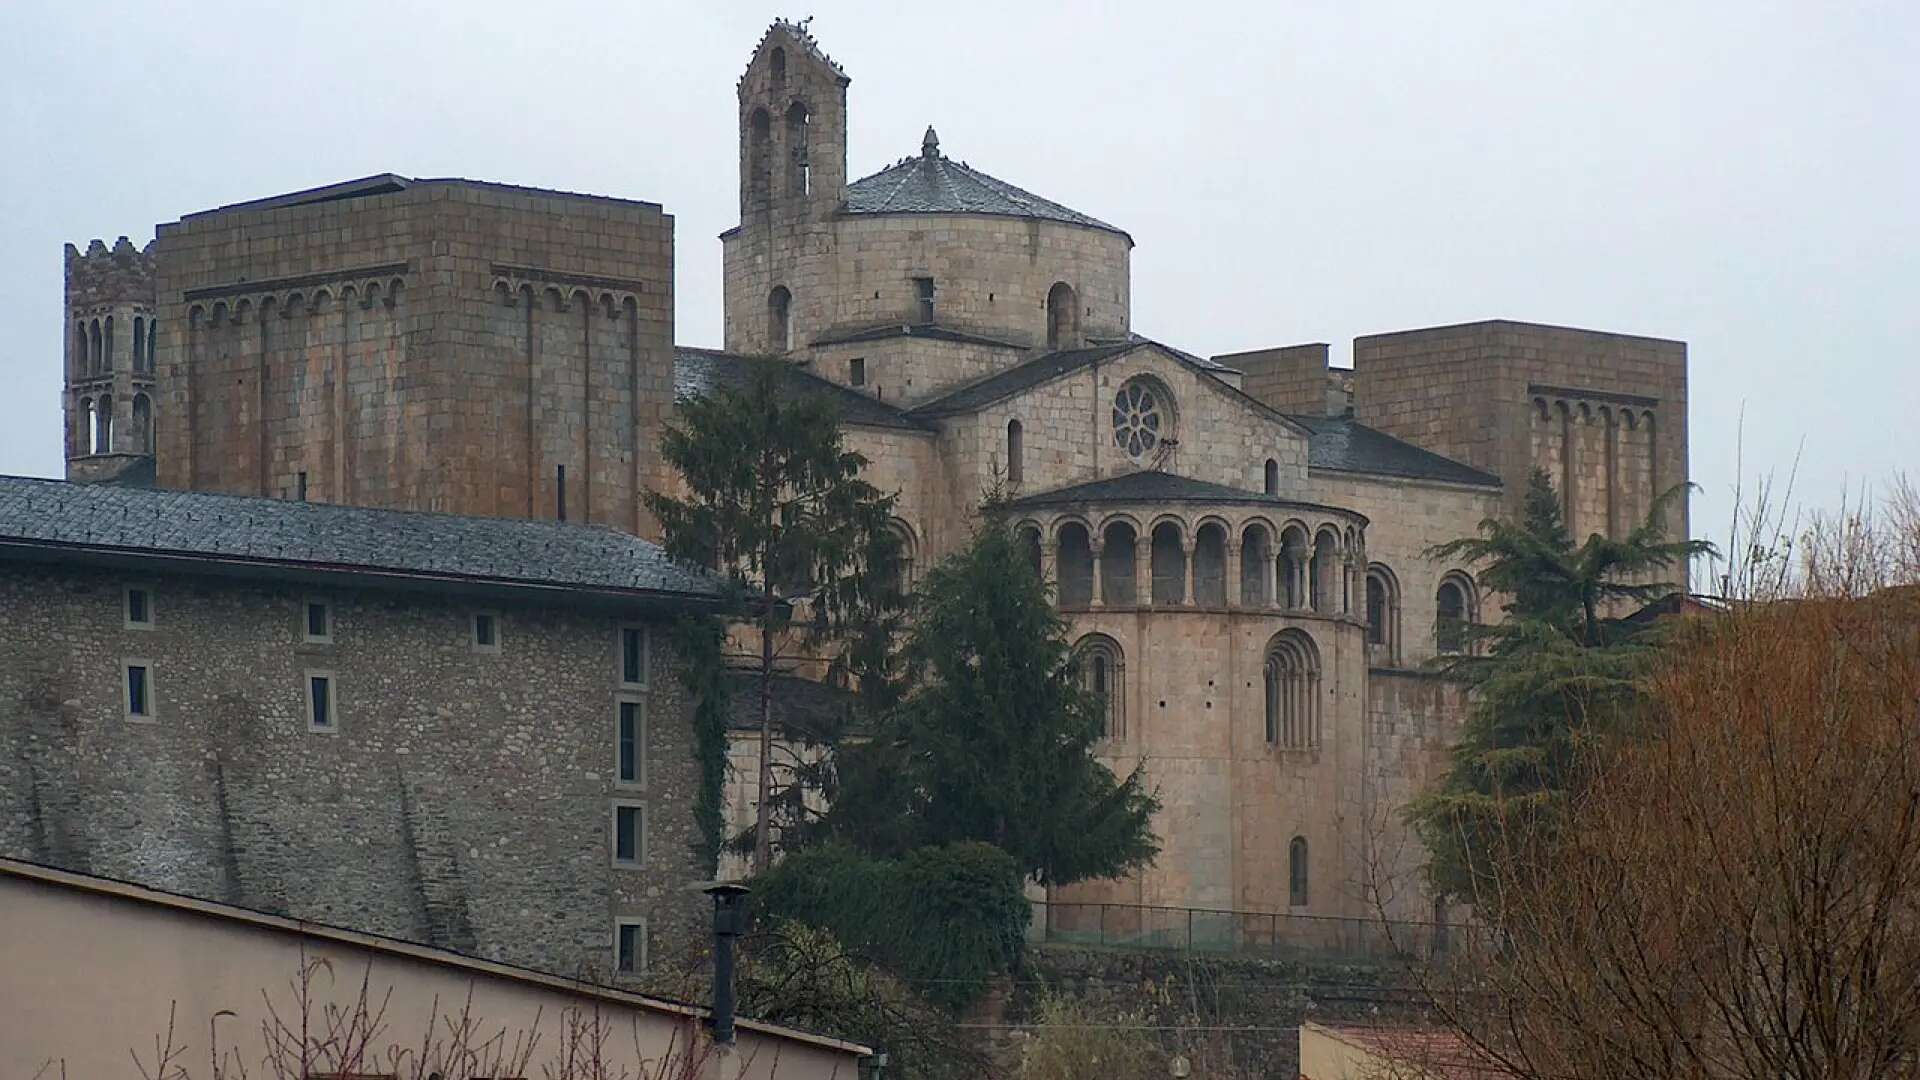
[(629, 946), (486, 632), (628, 742), (629, 840), (138, 684), (323, 705), (923, 290), (139, 608), (318, 628), (633, 656), (857, 371)]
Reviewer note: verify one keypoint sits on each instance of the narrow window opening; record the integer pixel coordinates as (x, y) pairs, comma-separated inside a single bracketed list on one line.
[(1297, 872), (633, 656), (1016, 452), (320, 703), (630, 947), (139, 691), (626, 834), (300, 487), (560, 492), (627, 743), (780, 319), (1450, 618), (923, 292), (800, 170), (139, 609), (139, 343), (319, 621), (857, 371), (1273, 477), (486, 632)]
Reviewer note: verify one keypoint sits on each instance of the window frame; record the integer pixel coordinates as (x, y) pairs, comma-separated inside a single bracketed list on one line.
[(126, 606), (925, 294), (307, 636), (639, 703), (620, 656), (332, 727), (639, 834), (639, 924), (1299, 871), (473, 632), (856, 371), (152, 711)]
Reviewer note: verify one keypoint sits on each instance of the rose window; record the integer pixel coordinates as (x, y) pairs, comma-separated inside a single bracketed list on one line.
[(1140, 418)]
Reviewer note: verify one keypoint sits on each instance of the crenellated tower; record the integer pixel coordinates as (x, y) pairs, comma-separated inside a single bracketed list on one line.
[(112, 340)]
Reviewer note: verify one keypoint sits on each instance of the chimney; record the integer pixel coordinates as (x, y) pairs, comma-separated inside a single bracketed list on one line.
[(729, 922)]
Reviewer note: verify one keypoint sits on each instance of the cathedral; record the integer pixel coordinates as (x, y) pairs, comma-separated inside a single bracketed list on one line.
[(1238, 542)]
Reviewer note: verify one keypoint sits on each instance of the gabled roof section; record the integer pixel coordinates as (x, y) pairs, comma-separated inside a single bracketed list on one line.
[(42, 516), (389, 183), (696, 372), (933, 183), (931, 331), (1159, 487), (1005, 384), (1341, 444), (799, 34)]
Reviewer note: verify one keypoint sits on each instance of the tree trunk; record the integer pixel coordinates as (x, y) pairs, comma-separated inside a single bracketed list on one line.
[(762, 839)]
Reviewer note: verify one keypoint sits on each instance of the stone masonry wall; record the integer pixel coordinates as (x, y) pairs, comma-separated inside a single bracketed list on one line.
[(1472, 392), (1292, 379), (450, 346), (465, 799)]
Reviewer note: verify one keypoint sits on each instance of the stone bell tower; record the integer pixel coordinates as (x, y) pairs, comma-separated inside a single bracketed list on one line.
[(112, 341)]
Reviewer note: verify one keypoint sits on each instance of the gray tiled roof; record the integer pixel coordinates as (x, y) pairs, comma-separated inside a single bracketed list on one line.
[(933, 331), (1147, 486), (1006, 383), (933, 183), (697, 371), (1338, 442), (320, 536)]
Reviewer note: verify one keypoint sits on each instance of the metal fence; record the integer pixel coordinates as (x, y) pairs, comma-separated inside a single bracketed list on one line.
[(1242, 933)]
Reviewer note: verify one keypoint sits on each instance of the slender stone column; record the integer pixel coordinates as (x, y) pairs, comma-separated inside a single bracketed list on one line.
[(1189, 549), (1143, 570), (1050, 562), (1098, 545), (1234, 597)]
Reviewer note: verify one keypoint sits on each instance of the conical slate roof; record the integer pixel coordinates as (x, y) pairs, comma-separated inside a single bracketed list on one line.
[(933, 183)]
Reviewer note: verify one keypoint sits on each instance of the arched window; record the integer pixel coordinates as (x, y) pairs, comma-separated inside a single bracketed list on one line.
[(142, 424), (89, 424), (1297, 872), (1273, 477), (759, 153), (1030, 547), (1063, 323), (1256, 561), (1102, 670), (1169, 565), (1383, 615), (1291, 567), (93, 347), (1324, 573), (1117, 586), (1452, 613), (780, 319), (1076, 566), (799, 174), (1016, 452), (139, 343), (1292, 672), (1210, 566), (103, 426), (81, 355), (778, 59), (153, 342), (106, 362), (900, 574)]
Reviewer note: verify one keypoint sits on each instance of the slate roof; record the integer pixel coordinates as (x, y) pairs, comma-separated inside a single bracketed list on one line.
[(914, 330), (933, 183), (1006, 383), (1147, 486), (1338, 442), (267, 533), (697, 371)]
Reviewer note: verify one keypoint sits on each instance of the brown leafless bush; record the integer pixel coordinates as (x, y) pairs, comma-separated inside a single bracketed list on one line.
[(306, 1033), (1737, 891)]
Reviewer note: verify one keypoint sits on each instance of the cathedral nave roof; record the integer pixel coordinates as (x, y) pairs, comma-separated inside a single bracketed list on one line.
[(1342, 444)]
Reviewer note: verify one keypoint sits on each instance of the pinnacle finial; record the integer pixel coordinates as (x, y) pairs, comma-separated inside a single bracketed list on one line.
[(930, 144)]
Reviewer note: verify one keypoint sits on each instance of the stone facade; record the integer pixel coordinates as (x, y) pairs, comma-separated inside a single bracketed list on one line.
[(462, 798), (111, 346), (1242, 541)]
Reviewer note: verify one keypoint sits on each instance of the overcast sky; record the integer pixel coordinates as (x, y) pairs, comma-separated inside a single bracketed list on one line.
[(1742, 176)]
